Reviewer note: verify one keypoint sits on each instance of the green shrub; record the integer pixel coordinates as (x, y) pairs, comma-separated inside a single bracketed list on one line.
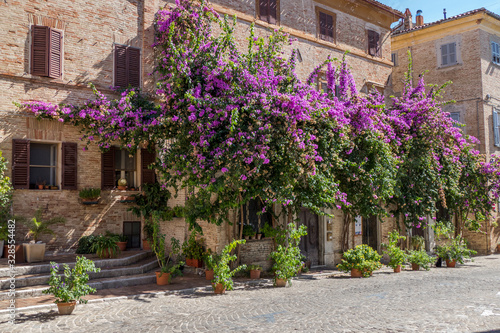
[(90, 193), (104, 245), (220, 264), (248, 231), (287, 256), (397, 256), (421, 258), (192, 248), (85, 245), (456, 250), (363, 258), (254, 267)]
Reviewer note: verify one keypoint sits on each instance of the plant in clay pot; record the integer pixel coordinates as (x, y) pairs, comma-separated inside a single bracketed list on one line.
[(420, 258), (361, 261), (105, 246), (122, 184), (254, 271), (455, 251), (397, 257), (90, 196), (192, 250), (248, 231)]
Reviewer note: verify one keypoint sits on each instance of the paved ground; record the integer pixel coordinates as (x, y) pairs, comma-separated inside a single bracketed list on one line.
[(463, 299)]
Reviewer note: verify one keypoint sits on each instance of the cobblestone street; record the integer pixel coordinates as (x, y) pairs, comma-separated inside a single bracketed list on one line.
[(463, 299)]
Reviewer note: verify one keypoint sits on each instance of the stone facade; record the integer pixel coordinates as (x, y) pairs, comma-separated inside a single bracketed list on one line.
[(474, 79)]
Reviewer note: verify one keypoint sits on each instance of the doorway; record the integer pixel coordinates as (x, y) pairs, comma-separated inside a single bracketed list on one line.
[(309, 244), (370, 232), (132, 229)]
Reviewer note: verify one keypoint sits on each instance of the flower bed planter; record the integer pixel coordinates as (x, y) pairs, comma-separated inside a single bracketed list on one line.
[(66, 308), (90, 201)]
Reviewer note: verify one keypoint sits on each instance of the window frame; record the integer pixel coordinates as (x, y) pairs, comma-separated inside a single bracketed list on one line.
[(458, 121), (394, 58), (54, 147), (496, 127), (495, 53), (319, 36), (378, 49), (123, 169)]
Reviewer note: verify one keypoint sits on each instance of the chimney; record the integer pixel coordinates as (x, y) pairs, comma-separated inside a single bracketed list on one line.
[(419, 18), (444, 13), (408, 24)]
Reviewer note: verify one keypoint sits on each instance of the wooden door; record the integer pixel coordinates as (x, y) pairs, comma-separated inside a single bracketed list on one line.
[(309, 244), (370, 232)]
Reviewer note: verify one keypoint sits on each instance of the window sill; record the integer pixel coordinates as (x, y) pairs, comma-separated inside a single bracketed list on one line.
[(449, 66)]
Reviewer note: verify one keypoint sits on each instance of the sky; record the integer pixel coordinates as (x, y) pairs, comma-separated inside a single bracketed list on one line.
[(432, 10)]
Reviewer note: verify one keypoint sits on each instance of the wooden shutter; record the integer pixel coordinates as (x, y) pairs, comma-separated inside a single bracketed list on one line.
[(147, 158), (20, 164), (273, 11), (69, 166), (326, 27), (373, 43), (121, 77), (108, 169), (134, 66), (496, 129), (452, 53), (55, 54), (39, 50), (264, 10), (444, 54)]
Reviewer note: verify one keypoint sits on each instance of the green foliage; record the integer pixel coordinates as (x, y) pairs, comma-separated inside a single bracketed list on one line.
[(179, 211), (5, 191), (74, 286), (159, 249), (421, 258), (220, 264), (154, 199), (248, 231), (37, 226), (363, 258), (105, 245), (254, 267), (396, 255), (85, 244), (417, 243), (455, 250), (268, 231), (192, 248), (90, 193), (287, 256), (116, 237)]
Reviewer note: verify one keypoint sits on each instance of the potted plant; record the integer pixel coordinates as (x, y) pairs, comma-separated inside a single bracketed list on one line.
[(40, 184), (121, 240), (90, 196), (35, 250), (248, 231), (122, 184), (254, 271), (223, 275), (193, 251), (287, 256), (148, 234), (397, 257), (268, 231), (420, 258), (209, 269), (361, 261), (74, 286), (455, 251), (85, 245), (105, 246)]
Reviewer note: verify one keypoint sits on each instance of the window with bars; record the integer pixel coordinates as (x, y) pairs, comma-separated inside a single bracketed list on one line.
[(449, 54), (495, 53), (46, 51), (127, 66), (374, 43), (326, 23), (268, 10)]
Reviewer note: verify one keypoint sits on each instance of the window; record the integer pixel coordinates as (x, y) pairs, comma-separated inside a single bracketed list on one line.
[(326, 27), (456, 117), (127, 66), (46, 51), (448, 54), (268, 11), (250, 216), (35, 163), (496, 129), (374, 43), (125, 166), (495, 53), (132, 229), (394, 58)]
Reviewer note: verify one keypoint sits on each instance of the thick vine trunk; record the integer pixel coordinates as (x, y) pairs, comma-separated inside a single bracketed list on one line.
[(345, 232)]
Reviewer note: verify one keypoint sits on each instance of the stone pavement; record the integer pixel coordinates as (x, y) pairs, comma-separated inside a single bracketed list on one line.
[(462, 299)]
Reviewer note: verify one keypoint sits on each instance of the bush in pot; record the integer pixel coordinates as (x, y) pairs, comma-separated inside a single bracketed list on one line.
[(85, 245), (90, 195), (105, 246), (121, 240), (254, 271), (209, 269), (397, 257), (361, 261), (455, 251), (192, 250), (420, 258), (74, 286), (223, 275), (287, 256), (248, 231)]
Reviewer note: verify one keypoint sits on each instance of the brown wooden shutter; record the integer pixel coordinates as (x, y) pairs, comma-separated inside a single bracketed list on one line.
[(273, 11), (20, 164), (121, 77), (39, 50), (147, 158), (108, 169), (134, 66), (264, 10), (69, 166), (55, 54)]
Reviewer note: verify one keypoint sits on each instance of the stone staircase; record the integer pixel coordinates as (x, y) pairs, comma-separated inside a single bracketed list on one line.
[(31, 280)]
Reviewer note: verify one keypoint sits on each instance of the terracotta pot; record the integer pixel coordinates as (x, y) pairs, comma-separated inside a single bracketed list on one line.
[(162, 280), (356, 273), (66, 308), (280, 283), (194, 262), (259, 236), (219, 289), (40, 187), (209, 274), (122, 246), (145, 245), (397, 269), (255, 274), (415, 267), (450, 263), (122, 187), (498, 247)]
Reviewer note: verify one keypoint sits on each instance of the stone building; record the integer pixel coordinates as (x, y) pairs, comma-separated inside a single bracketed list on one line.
[(51, 50), (463, 49)]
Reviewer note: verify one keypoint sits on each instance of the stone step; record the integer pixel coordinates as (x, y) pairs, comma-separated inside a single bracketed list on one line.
[(140, 267), (27, 269)]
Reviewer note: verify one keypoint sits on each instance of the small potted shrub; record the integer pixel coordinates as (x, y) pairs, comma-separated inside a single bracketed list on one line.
[(361, 261), (74, 286), (223, 275), (90, 195), (193, 251), (105, 246), (121, 240), (420, 258), (40, 184), (455, 251), (209, 269), (148, 232), (85, 245), (287, 256), (397, 257), (268, 231), (254, 271), (248, 231)]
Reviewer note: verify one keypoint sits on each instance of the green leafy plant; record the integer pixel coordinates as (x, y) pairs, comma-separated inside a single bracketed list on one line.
[(5, 194), (254, 267), (417, 243), (148, 230), (287, 256), (104, 246), (397, 256), (192, 248), (456, 250), (248, 231), (159, 249), (220, 264), (268, 230), (75, 284), (178, 211), (90, 193), (363, 258), (117, 237), (85, 245), (421, 258), (153, 199), (37, 226)]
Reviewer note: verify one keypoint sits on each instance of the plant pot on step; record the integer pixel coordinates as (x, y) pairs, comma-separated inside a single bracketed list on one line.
[(162, 279), (255, 274), (219, 288), (415, 267), (122, 246), (66, 308), (209, 274), (450, 263), (34, 252), (397, 269), (145, 245)]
